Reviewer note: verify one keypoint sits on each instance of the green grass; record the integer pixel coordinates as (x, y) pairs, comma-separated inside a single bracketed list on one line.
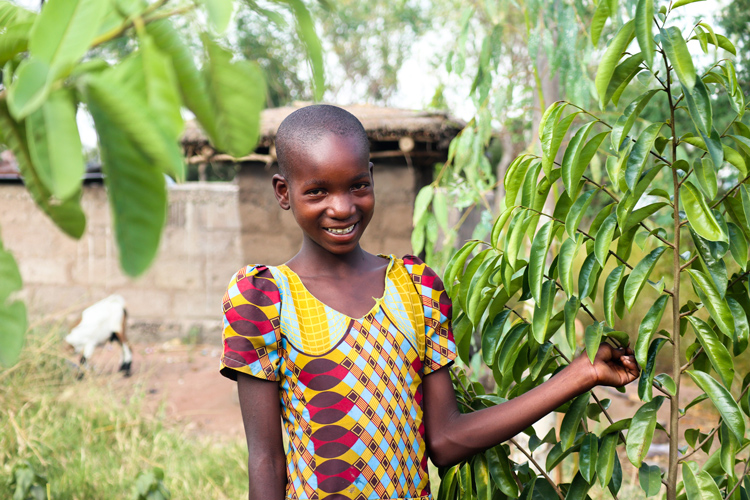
[(91, 442)]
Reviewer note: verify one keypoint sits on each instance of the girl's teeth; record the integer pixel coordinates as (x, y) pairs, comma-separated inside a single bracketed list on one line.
[(346, 230)]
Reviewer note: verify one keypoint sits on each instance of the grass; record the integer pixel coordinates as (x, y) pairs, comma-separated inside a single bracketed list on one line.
[(91, 442)]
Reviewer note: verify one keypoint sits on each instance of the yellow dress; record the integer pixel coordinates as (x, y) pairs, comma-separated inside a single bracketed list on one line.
[(350, 389)]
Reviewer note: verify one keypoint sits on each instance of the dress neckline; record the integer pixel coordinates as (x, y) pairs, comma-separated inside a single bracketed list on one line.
[(391, 259)]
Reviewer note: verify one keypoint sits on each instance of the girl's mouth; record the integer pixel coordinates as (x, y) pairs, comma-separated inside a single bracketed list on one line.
[(342, 231)]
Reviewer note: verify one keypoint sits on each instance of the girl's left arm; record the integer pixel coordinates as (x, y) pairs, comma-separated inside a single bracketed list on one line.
[(453, 436)]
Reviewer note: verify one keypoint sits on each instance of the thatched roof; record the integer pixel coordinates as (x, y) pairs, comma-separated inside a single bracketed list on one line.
[(381, 124)]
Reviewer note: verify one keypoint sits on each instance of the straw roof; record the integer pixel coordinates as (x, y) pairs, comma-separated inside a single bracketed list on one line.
[(381, 124)]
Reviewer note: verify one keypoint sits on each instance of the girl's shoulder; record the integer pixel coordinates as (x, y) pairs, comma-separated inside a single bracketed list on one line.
[(421, 273), (256, 284)]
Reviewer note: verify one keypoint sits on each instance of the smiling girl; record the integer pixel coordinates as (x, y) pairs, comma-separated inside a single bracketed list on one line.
[(348, 353)]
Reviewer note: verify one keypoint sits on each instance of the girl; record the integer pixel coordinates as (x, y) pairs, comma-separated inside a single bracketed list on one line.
[(351, 350)]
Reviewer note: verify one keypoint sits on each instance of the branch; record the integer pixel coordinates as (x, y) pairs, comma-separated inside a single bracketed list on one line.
[(739, 480), (692, 360), (730, 191), (539, 468), (698, 445)]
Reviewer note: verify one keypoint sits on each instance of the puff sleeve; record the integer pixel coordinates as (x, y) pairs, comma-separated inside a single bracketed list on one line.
[(440, 348), (251, 326)]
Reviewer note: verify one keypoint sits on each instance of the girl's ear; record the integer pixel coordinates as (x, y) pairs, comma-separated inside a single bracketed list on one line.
[(281, 191)]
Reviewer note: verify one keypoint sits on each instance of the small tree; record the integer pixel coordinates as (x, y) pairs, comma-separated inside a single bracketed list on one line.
[(56, 61), (518, 303)]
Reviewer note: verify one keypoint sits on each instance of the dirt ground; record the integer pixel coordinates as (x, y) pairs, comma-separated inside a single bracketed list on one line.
[(183, 381)]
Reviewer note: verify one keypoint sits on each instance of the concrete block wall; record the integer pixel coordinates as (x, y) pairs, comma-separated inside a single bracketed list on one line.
[(180, 294)]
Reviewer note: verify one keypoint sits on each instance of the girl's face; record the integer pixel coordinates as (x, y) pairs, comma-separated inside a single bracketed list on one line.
[(330, 192)]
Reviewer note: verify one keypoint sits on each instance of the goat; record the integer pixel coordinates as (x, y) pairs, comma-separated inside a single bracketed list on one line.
[(102, 322)]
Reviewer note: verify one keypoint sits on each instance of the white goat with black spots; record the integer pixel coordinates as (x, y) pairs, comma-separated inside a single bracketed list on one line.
[(102, 322)]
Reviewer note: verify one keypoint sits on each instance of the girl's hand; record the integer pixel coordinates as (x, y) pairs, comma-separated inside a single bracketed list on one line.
[(613, 367)]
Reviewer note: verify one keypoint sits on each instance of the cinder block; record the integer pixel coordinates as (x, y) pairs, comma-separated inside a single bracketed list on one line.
[(146, 303), (50, 271), (195, 305)]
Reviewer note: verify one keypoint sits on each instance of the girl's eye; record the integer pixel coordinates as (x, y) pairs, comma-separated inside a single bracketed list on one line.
[(361, 185), (315, 192)]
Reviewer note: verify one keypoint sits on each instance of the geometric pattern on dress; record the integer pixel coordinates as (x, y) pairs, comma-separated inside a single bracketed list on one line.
[(351, 389)]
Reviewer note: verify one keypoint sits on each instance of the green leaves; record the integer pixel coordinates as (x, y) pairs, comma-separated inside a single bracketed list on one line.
[(717, 306), (610, 59), (648, 327), (55, 146), (61, 35), (237, 90), (593, 337), (537, 258), (500, 471), (642, 430), (13, 321), (722, 400), (679, 56), (604, 238), (699, 485), (717, 353), (572, 420), (644, 19), (640, 153), (699, 214), (640, 274)]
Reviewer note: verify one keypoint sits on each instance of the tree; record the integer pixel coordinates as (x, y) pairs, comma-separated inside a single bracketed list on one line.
[(56, 62), (518, 295)]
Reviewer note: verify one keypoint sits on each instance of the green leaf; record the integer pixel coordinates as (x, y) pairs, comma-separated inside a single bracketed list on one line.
[(645, 383), (482, 478), (679, 55), (588, 276), (578, 488), (498, 226), (601, 14), (648, 327), (67, 215), (567, 255), (577, 211), (440, 208), (699, 106), (14, 41), (610, 59), (717, 353), (570, 311), (699, 214), (448, 483), (722, 400), (456, 264), (421, 202), (30, 88), (729, 447), (516, 234), (137, 191), (219, 13), (741, 332), (538, 257), (588, 457), (644, 18), (639, 275), (64, 30), (699, 485), (625, 121), (592, 338), (711, 257), (604, 238), (543, 311), (55, 146), (718, 308), (468, 275), (560, 130), (572, 419), (706, 174), (571, 159), (667, 383), (476, 289), (14, 324), (605, 462), (624, 72), (306, 33), (238, 93), (161, 89), (191, 83), (680, 3), (642, 431), (610, 293), (500, 471), (464, 481), (640, 153), (650, 478), (513, 179), (491, 337)]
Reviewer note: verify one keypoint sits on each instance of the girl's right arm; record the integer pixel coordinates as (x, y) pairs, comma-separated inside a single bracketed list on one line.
[(261, 415)]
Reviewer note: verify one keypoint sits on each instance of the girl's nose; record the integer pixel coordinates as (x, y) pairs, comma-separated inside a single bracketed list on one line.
[(341, 207)]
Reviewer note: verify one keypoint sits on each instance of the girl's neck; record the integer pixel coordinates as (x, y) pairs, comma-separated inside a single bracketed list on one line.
[(312, 260)]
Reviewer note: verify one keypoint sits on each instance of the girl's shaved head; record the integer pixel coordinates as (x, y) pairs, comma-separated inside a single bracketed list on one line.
[(302, 129)]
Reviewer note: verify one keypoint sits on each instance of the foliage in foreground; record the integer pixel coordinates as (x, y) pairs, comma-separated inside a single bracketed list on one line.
[(519, 295), (55, 63), (80, 439)]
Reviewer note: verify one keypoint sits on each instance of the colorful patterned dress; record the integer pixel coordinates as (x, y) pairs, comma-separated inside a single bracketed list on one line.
[(351, 389)]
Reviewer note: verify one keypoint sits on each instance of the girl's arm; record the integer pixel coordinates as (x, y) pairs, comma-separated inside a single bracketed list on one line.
[(453, 436), (261, 414)]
